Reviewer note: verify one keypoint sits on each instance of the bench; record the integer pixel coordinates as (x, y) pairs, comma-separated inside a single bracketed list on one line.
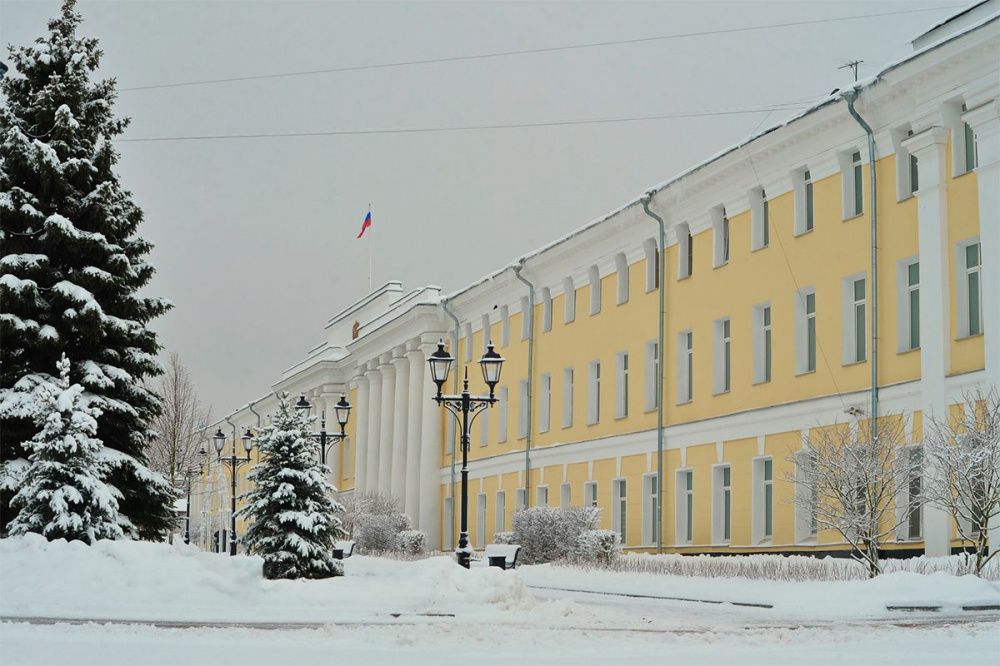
[(501, 555), (343, 549)]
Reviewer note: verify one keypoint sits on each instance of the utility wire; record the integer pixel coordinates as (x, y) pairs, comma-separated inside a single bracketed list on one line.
[(468, 128), (549, 49)]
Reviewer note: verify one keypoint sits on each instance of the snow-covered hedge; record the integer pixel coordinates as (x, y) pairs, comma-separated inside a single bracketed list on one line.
[(411, 542), (599, 547), (791, 567), (506, 538), (547, 534), (374, 521)]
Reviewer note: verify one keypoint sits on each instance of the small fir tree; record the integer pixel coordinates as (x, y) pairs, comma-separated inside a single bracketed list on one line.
[(73, 263), (295, 519), (62, 493)]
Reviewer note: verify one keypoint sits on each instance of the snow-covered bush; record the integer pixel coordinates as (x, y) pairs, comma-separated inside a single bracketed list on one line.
[(547, 534), (411, 542), (597, 547), (506, 538), (374, 520)]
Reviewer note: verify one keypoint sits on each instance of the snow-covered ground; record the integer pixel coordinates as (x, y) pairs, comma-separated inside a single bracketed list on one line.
[(431, 611)]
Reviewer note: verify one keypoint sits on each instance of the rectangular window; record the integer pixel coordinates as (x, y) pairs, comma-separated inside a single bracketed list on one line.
[(590, 494), (567, 397), (595, 290), (565, 495), (504, 326), (649, 507), (481, 520), (503, 403), (522, 409), (520, 499), (856, 342), (685, 366), (468, 342), (809, 221), (594, 393), (525, 318), (544, 402), (620, 512), (914, 518), (810, 313), (723, 356), (569, 301), (971, 157), (487, 333), (762, 344), (727, 503), (621, 277), (484, 428), (689, 506), (913, 304), (914, 171), (766, 221), (500, 517), (859, 188), (542, 496), (621, 385), (974, 289), (725, 239), (768, 498), (546, 310), (652, 372)]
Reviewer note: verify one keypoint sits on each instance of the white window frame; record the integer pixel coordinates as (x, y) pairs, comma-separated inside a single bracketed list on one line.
[(720, 236), (759, 499), (850, 318), (963, 301), (763, 343), (722, 504), (500, 512), (685, 251), (590, 494), (520, 499), (468, 342), (621, 385), (722, 356), (544, 402), (802, 319), (525, 318), (965, 133), (651, 368), (546, 310), (760, 223), (541, 495), (649, 497), (484, 428), (567, 421), (503, 409), (905, 294), (806, 524), (504, 325), (593, 392), (621, 277), (619, 504), (487, 333), (685, 366), (805, 204), (905, 187), (684, 507), (481, 519), (851, 179), (522, 409), (652, 254), (565, 496), (569, 301), (594, 279), (908, 504)]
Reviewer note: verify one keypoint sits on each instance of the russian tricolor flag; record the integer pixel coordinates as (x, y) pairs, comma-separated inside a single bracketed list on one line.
[(367, 223)]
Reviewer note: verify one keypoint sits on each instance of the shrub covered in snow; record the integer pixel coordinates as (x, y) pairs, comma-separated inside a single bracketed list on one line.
[(374, 520), (504, 538), (599, 547), (548, 533), (411, 542)]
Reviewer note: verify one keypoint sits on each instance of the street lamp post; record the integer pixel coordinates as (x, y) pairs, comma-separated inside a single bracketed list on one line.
[(234, 464), (190, 474), (325, 439), (465, 407)]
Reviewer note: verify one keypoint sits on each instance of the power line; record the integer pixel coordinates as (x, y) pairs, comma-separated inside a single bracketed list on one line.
[(469, 128), (549, 49)]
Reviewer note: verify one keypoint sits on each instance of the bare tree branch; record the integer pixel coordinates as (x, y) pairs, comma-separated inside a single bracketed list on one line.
[(179, 427)]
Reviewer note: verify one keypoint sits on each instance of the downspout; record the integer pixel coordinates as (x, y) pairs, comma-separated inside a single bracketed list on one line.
[(457, 331), (518, 267), (661, 283), (851, 96)]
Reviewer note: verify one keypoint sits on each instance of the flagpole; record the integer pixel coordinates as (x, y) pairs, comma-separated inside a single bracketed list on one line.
[(371, 260)]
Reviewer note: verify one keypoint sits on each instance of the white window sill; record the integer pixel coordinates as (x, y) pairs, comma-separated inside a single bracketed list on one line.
[(805, 372), (853, 217), (969, 337), (684, 402), (902, 352), (847, 364), (758, 249)]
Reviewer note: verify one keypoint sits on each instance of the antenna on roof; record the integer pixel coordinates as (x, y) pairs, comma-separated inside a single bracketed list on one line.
[(854, 67)]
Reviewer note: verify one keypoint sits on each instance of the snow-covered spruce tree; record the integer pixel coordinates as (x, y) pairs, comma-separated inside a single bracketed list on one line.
[(295, 519), (72, 264), (63, 494)]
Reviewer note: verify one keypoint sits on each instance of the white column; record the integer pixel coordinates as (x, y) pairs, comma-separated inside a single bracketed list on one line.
[(430, 465), (385, 436), (411, 500), (929, 148), (360, 416), (397, 482), (374, 426), (985, 123)]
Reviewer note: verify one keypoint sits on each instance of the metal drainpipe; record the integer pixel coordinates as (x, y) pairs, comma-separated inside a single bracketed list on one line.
[(518, 267), (457, 332), (661, 283), (851, 96)]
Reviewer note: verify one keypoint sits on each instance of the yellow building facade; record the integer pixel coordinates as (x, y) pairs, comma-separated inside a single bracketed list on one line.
[(772, 310)]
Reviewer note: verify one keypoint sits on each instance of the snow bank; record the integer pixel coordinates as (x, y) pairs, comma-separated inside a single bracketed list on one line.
[(799, 600), (156, 581)]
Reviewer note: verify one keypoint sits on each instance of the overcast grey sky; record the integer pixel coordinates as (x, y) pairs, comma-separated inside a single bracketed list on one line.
[(255, 238)]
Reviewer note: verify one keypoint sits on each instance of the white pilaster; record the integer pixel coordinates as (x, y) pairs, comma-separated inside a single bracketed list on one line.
[(360, 417), (397, 483), (374, 427), (985, 123), (416, 394), (385, 436), (430, 465), (929, 148)]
